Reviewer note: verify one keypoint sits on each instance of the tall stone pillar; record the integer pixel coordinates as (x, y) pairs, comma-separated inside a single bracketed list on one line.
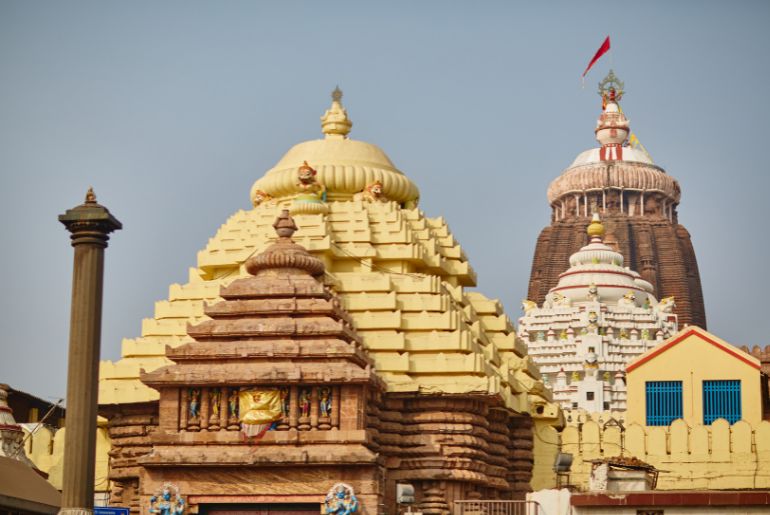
[(90, 224)]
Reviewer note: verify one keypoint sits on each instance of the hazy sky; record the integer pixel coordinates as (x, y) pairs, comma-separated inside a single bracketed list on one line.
[(171, 110)]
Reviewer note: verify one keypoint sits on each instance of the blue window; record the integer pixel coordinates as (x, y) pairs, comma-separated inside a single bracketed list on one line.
[(664, 402), (721, 399)]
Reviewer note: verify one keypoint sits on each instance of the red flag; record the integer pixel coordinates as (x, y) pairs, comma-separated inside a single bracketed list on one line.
[(602, 50)]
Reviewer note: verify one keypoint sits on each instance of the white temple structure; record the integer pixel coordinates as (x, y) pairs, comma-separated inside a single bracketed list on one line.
[(597, 318)]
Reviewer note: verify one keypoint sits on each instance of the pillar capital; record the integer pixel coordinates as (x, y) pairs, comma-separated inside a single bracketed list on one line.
[(90, 222)]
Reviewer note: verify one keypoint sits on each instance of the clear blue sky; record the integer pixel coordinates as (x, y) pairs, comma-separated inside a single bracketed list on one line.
[(172, 109)]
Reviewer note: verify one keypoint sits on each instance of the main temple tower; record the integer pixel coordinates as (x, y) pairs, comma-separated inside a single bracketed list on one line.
[(357, 326), (638, 203)]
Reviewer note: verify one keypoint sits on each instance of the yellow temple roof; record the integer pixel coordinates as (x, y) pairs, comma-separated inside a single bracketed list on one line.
[(344, 166), (400, 275)]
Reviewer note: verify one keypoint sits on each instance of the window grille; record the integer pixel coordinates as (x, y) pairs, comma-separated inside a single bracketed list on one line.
[(663, 402), (721, 399)]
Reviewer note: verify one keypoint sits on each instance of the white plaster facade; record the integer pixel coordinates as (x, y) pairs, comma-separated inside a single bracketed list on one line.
[(595, 320)]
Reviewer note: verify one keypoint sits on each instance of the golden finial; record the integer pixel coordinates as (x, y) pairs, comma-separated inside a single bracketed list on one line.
[(284, 225), (335, 122), (595, 228), (90, 196)]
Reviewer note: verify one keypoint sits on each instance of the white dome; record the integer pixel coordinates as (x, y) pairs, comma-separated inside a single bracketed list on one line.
[(597, 270)]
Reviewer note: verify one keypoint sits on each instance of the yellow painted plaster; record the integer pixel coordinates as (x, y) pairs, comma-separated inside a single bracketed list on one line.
[(688, 356)]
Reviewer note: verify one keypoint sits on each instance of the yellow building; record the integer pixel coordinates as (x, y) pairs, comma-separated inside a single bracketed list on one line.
[(697, 377)]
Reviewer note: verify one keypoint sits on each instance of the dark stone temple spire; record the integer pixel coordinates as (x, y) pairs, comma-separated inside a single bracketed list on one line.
[(638, 203)]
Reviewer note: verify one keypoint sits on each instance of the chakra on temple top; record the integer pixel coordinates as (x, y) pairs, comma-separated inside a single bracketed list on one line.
[(337, 94), (611, 87)]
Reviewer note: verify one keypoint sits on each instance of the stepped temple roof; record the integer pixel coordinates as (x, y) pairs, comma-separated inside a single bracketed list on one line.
[(400, 275)]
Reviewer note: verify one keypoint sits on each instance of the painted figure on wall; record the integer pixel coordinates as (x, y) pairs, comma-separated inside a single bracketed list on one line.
[(195, 403), (341, 500), (285, 401), (325, 402), (214, 398), (232, 404), (304, 402), (164, 503)]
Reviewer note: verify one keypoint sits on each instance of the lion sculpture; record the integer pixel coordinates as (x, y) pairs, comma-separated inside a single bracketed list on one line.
[(374, 192)]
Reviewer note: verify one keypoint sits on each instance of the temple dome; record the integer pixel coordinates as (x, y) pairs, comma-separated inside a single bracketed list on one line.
[(344, 166), (598, 267), (619, 163)]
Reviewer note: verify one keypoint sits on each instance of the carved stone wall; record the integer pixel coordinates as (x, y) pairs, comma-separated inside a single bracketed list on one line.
[(281, 344), (129, 428)]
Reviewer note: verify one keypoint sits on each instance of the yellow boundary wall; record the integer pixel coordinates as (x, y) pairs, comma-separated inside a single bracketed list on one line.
[(715, 457)]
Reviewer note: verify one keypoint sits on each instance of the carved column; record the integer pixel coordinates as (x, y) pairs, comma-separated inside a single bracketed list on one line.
[(621, 201), (314, 408), (183, 408), (223, 408), (336, 407), (293, 408), (204, 416), (90, 224)]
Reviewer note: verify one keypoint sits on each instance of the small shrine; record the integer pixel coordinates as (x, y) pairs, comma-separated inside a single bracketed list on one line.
[(11, 433), (23, 488), (598, 317), (276, 385)]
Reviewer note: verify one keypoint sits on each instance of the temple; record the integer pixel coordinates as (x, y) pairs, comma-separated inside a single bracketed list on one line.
[(597, 318), (337, 361), (638, 203)]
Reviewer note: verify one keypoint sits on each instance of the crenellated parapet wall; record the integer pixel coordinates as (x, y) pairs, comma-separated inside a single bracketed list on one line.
[(719, 456), (761, 353), (45, 447)]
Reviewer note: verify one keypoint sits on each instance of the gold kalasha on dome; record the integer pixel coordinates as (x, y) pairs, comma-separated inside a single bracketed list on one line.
[(595, 228), (344, 166), (335, 122)]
